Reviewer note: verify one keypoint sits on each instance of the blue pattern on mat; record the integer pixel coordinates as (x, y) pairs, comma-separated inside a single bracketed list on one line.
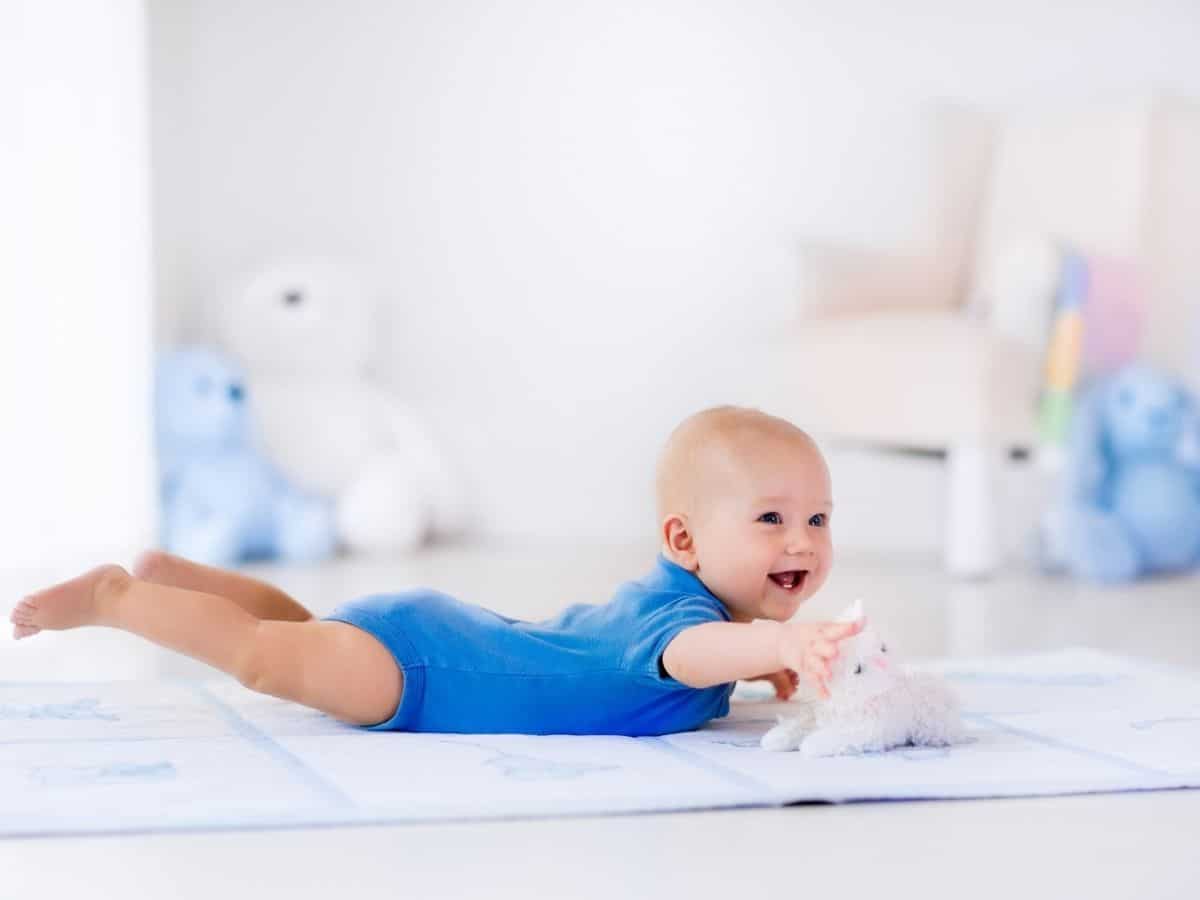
[(159, 756)]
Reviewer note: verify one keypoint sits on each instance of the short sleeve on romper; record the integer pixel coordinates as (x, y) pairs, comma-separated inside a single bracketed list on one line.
[(661, 626)]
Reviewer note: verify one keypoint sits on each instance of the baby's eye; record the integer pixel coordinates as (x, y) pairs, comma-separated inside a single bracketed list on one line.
[(883, 648), (858, 669), (818, 521), (771, 518)]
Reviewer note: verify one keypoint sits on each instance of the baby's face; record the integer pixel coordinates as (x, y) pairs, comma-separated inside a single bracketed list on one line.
[(762, 537)]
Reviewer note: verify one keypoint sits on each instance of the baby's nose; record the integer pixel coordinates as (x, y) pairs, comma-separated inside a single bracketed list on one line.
[(799, 543)]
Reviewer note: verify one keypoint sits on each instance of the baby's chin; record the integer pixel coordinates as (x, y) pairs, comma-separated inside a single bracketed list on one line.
[(780, 609)]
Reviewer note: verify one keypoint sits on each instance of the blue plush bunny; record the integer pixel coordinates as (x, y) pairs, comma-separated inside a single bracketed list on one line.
[(222, 503), (1130, 503)]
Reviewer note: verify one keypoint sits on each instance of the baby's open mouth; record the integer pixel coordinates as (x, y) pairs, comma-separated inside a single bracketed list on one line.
[(791, 580)]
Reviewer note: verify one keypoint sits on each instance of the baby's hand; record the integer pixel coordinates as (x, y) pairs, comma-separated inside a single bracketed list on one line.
[(809, 647), (785, 682)]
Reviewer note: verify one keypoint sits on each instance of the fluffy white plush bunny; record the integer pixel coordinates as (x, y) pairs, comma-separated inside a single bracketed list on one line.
[(875, 704), (303, 330)]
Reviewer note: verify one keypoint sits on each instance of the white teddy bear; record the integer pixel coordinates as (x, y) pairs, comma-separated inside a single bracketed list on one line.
[(875, 704), (303, 330)]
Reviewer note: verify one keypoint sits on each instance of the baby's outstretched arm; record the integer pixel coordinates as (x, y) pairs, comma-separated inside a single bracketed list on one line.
[(329, 666), (722, 652)]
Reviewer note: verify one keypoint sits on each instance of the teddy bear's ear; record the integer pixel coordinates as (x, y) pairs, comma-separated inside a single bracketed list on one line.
[(852, 613)]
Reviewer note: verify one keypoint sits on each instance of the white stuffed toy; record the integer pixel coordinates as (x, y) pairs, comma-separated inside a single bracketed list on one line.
[(875, 704), (303, 331)]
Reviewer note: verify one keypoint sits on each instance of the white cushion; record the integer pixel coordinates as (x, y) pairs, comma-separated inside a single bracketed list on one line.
[(1018, 284)]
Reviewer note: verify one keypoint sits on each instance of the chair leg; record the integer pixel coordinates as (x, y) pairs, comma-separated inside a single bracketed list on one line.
[(971, 547)]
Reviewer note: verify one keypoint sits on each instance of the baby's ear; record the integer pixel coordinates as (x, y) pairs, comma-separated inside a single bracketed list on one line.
[(852, 613)]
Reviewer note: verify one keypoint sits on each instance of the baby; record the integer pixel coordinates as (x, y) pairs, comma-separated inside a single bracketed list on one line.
[(743, 510)]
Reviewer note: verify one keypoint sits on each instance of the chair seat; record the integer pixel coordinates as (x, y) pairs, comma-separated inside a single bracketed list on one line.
[(922, 378)]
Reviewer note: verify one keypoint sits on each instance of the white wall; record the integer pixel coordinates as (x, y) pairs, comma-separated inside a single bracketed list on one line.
[(76, 469), (581, 212)]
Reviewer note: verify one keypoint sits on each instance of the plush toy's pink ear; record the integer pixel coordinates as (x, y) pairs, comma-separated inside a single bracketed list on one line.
[(852, 613)]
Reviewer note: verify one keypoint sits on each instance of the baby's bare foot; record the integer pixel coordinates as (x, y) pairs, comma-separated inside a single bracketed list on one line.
[(86, 600), (24, 631), (150, 564)]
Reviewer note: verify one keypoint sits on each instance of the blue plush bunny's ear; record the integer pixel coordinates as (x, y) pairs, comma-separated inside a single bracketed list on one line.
[(1188, 451), (1089, 455)]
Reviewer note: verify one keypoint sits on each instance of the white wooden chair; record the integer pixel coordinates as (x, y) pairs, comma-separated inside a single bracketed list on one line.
[(942, 348)]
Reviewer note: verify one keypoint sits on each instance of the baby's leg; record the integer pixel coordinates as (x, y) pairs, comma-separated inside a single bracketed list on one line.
[(330, 666), (261, 600)]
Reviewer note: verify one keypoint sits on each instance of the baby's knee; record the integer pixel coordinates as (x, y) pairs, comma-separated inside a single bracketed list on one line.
[(256, 666)]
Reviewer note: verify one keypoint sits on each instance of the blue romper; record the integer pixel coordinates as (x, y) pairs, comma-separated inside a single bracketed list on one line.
[(593, 669)]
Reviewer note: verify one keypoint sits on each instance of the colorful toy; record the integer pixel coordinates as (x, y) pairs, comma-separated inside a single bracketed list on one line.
[(1098, 320), (1130, 498), (222, 503), (875, 704), (1065, 350)]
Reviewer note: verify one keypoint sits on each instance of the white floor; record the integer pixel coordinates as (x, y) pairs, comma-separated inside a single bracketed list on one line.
[(1102, 846)]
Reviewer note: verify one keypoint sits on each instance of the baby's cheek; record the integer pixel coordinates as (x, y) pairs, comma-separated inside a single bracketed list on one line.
[(822, 574)]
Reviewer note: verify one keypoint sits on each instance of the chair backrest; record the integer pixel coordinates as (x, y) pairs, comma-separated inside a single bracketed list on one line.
[(963, 142), (1118, 180), (1078, 175)]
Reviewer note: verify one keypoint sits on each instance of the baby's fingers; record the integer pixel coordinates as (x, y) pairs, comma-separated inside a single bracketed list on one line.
[(814, 662), (817, 672), (819, 683), (824, 649), (839, 631), (784, 687)]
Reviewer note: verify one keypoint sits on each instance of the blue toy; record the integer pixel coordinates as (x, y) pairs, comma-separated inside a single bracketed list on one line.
[(1130, 500), (222, 503)]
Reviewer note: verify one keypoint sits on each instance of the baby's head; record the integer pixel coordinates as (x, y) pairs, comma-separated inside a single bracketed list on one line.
[(744, 502)]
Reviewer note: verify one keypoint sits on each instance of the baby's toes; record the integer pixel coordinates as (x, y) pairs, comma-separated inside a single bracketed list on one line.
[(23, 613)]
